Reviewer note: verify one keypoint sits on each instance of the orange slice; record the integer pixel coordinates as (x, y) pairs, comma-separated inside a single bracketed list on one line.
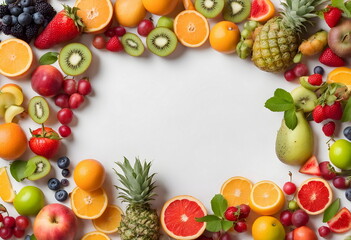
[(110, 220), (261, 10), (191, 28), (340, 75), (95, 236), (96, 14), (6, 192), (266, 198), (88, 205), (16, 58), (236, 191)]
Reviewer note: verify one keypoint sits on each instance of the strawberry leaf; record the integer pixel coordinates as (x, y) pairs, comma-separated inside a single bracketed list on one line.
[(226, 225), (330, 212)]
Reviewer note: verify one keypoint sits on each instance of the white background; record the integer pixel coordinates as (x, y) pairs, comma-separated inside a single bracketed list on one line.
[(198, 115)]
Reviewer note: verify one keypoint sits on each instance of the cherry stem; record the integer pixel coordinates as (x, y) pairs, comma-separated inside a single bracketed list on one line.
[(290, 176)]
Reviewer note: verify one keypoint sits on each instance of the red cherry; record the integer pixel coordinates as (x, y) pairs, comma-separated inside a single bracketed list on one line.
[(145, 27), (120, 31), (240, 227), (244, 211), (22, 222), (75, 100), (289, 188), (84, 86), (64, 131)]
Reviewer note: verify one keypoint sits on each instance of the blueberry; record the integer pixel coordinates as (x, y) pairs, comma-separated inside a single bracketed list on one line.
[(30, 10), (61, 195), (27, 237), (347, 133), (14, 20), (38, 18), (65, 172), (64, 182), (7, 20), (16, 11), (54, 184), (318, 70), (63, 162), (26, 3), (348, 194), (24, 19), (10, 1)]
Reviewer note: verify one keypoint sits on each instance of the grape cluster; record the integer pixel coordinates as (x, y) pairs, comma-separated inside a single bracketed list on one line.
[(24, 18), (11, 226)]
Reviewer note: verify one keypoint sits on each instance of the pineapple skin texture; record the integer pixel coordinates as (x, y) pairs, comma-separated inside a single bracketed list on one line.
[(139, 223), (275, 46)]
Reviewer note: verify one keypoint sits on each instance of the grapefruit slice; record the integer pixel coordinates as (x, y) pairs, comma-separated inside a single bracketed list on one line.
[(341, 222), (261, 10), (178, 217), (311, 167), (314, 196)]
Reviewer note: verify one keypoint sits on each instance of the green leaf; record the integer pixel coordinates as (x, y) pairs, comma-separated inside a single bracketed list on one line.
[(278, 105), (226, 225), (48, 58), (32, 237), (330, 212), (219, 204), (290, 119), (18, 170), (30, 169), (214, 226), (346, 115), (340, 4), (348, 238), (207, 218), (282, 94), (2, 208)]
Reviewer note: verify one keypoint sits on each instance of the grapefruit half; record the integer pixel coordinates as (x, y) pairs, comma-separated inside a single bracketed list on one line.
[(178, 217), (314, 196)]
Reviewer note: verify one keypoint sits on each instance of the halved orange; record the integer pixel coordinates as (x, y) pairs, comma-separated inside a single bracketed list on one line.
[(340, 75), (96, 14), (178, 217), (88, 205), (6, 192), (262, 10), (110, 220), (266, 198), (236, 190), (95, 236), (192, 28), (16, 58)]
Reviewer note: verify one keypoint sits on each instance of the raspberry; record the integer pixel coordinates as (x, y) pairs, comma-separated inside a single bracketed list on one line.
[(318, 114), (329, 129), (315, 79)]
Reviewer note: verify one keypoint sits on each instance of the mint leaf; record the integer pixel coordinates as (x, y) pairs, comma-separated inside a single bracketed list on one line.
[(341, 5), (330, 212), (278, 105), (346, 115), (226, 225), (219, 204), (207, 218), (290, 119), (48, 58), (282, 94), (32, 237), (214, 226)]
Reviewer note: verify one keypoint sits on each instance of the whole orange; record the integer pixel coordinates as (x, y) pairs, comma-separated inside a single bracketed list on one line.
[(89, 174), (224, 36), (13, 141), (160, 7), (129, 13)]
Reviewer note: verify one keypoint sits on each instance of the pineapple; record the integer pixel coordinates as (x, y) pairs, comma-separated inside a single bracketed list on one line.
[(140, 222), (277, 42)]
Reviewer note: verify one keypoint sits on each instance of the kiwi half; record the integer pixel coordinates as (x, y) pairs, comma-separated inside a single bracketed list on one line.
[(132, 44), (39, 166), (236, 10), (38, 109), (304, 99), (209, 8), (75, 59), (161, 41)]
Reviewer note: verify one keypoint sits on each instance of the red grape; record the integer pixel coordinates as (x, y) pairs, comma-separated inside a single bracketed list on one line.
[(289, 188), (6, 233), (22, 222), (75, 100), (99, 42), (290, 236), (64, 131), (299, 218), (65, 116), (231, 214), (62, 100), (84, 86), (341, 182), (244, 211), (300, 70), (110, 32), (145, 27), (70, 86), (240, 227), (216, 235), (290, 75), (18, 233), (324, 231), (326, 172), (120, 31), (1, 218), (285, 218), (225, 236), (9, 222)]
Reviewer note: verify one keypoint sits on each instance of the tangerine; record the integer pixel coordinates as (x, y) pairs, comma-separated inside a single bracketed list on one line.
[(13, 141), (160, 7), (224, 36), (89, 174), (129, 13)]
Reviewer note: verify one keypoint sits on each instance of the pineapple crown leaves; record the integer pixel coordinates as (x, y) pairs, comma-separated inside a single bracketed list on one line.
[(72, 13), (138, 184)]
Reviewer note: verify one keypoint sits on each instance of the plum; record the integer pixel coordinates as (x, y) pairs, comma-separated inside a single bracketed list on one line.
[(47, 81), (339, 38)]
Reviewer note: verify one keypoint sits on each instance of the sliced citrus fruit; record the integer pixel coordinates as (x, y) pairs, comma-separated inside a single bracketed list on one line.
[(96, 14), (16, 58), (340, 75), (261, 10), (95, 236), (178, 217), (341, 222), (314, 196), (191, 28), (109, 221), (6, 192), (88, 205), (236, 191), (266, 198)]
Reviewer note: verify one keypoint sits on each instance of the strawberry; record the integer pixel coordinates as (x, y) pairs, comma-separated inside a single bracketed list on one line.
[(333, 111), (114, 44), (332, 16), (315, 79), (318, 114), (330, 59), (65, 26), (329, 128), (44, 142)]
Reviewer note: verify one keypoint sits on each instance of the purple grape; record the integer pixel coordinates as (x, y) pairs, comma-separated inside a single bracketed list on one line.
[(225, 236), (285, 218), (299, 218), (341, 182), (326, 170)]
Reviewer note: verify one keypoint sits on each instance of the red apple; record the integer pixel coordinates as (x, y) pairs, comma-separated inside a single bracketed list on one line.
[(47, 80), (55, 222)]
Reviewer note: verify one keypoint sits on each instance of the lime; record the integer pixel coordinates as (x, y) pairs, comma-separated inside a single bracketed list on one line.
[(29, 201), (340, 154)]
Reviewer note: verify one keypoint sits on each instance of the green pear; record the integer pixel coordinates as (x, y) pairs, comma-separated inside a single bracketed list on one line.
[(295, 147)]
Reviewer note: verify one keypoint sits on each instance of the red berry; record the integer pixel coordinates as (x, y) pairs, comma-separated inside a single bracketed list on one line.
[(332, 16), (244, 211), (18, 233), (110, 32), (333, 111), (231, 214), (240, 227), (318, 114), (114, 44), (315, 79), (22, 222), (64, 131), (62, 100), (1, 218), (75, 100), (9, 222), (65, 116), (285, 218), (289, 188), (327, 170), (84, 86), (99, 42), (330, 59), (329, 129), (290, 235), (290, 75), (6, 233), (145, 27), (300, 70), (120, 31), (323, 231), (299, 218), (70, 86)]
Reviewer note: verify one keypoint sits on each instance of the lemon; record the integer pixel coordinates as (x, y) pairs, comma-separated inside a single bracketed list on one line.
[(267, 227)]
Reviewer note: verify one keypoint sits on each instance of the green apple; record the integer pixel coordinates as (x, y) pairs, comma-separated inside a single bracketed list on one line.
[(29, 201), (340, 154), (165, 22)]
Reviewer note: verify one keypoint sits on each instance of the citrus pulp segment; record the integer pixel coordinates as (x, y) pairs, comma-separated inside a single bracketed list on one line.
[(110, 220), (95, 236), (236, 191), (340, 75), (6, 192)]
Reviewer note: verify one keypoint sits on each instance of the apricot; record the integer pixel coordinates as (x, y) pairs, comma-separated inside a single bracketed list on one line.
[(129, 12)]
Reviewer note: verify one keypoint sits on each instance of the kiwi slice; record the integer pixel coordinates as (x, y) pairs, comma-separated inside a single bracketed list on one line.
[(38, 109), (209, 8), (75, 59), (39, 166), (236, 10), (304, 98), (132, 44), (161, 41)]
